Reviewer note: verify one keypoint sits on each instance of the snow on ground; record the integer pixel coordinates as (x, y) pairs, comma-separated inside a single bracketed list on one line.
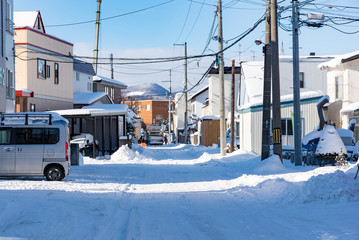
[(183, 192)]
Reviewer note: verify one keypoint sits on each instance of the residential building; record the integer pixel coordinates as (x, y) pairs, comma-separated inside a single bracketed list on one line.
[(7, 66), (313, 87), (213, 93), (43, 66), (152, 112), (110, 86), (199, 102), (342, 74), (83, 76)]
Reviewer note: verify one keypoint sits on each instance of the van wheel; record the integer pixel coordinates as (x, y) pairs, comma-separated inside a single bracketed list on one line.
[(54, 173)]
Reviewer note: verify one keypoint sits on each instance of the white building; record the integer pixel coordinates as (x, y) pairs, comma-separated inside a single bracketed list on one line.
[(343, 90), (213, 90), (7, 65), (83, 76), (313, 85)]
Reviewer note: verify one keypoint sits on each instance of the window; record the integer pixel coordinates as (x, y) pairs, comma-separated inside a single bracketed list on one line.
[(89, 86), (5, 134), (10, 88), (48, 71), (287, 127), (301, 79), (2, 76), (138, 108), (37, 135), (9, 17), (51, 135), (41, 68), (338, 87), (56, 73), (148, 107), (32, 107), (77, 76), (193, 107), (112, 93)]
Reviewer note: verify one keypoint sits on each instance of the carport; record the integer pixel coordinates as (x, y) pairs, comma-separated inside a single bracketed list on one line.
[(105, 122)]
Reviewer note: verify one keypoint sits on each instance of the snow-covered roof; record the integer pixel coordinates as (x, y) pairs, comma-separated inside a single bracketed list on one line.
[(350, 108), (88, 98), (339, 60), (32, 118), (98, 78), (199, 92), (25, 19), (96, 110), (284, 98), (210, 117)]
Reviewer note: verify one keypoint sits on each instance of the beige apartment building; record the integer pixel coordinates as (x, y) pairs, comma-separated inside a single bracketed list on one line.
[(43, 66)]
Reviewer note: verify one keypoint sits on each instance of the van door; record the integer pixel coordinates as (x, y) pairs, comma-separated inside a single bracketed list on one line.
[(7, 152), (29, 150)]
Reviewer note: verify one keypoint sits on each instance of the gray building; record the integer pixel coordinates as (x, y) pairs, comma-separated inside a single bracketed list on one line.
[(110, 86), (7, 64)]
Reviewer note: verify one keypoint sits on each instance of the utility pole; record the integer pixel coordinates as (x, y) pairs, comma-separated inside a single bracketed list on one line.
[(111, 61), (169, 110), (232, 106), (266, 88), (277, 134), (296, 87), (185, 94), (97, 31), (222, 120)]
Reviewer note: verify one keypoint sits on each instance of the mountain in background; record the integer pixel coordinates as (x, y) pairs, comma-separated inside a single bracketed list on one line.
[(149, 91)]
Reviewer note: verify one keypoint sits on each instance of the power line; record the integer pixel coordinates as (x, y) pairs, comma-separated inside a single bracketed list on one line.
[(108, 18), (185, 21)]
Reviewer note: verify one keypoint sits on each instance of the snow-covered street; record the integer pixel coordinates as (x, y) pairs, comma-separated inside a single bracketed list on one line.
[(183, 192)]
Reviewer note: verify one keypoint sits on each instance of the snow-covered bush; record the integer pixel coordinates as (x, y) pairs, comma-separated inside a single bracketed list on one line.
[(131, 120), (330, 144)]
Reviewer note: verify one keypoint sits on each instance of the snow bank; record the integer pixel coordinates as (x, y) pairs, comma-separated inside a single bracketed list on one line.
[(271, 165)]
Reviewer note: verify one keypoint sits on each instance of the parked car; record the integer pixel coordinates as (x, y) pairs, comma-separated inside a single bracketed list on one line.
[(34, 144), (155, 135), (85, 142)]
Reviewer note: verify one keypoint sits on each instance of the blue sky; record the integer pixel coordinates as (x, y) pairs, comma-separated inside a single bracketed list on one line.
[(152, 33)]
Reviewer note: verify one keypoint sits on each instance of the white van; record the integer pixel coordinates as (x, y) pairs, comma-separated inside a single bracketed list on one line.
[(34, 144)]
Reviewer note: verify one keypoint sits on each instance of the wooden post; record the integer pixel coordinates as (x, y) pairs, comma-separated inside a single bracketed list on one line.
[(232, 107), (110, 134), (94, 138), (117, 133), (103, 136)]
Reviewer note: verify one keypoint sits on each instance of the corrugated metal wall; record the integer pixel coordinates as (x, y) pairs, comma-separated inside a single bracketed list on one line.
[(251, 125)]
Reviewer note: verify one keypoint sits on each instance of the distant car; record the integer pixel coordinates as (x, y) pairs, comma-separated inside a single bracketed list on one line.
[(228, 139), (156, 135)]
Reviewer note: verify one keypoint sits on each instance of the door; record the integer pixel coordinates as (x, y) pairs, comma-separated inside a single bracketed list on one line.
[(7, 152), (29, 150)]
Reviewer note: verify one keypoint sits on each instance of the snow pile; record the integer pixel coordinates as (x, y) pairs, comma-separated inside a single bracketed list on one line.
[(330, 143), (271, 165), (123, 155), (329, 188)]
